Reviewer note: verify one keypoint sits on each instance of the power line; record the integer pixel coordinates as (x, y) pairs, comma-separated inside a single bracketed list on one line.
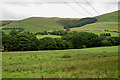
[(92, 7), (73, 8), (83, 8)]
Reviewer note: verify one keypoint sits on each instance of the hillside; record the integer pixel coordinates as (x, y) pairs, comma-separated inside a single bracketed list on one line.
[(37, 24), (2, 23), (109, 17), (107, 21)]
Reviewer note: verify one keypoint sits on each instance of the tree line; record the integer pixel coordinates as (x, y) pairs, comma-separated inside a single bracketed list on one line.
[(75, 40), (77, 23), (19, 29)]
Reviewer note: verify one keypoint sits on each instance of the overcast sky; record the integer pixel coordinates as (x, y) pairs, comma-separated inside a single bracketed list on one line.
[(20, 9)]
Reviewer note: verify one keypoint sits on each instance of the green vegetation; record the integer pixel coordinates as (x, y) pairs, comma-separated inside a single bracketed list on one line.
[(37, 24), (74, 40), (7, 31), (110, 26), (59, 32), (22, 42), (77, 23), (43, 36), (99, 62), (113, 34), (104, 22), (38, 50), (5, 22), (109, 17)]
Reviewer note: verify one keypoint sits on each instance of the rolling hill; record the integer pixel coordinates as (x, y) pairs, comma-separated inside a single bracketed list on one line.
[(109, 17), (37, 24), (2, 23), (107, 21)]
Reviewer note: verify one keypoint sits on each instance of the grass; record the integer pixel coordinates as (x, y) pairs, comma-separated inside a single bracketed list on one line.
[(109, 17), (113, 34), (52, 36), (5, 22), (111, 26), (107, 21), (6, 31), (100, 62), (37, 24)]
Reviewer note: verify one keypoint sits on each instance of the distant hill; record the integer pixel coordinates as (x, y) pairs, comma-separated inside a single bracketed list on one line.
[(37, 24), (2, 23), (104, 22), (109, 17)]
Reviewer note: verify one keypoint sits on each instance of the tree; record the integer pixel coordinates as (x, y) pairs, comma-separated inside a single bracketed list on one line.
[(13, 32), (48, 43), (83, 39), (20, 42)]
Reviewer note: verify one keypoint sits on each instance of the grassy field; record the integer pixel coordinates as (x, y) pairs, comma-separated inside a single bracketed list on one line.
[(111, 26), (52, 36), (100, 62), (107, 21)]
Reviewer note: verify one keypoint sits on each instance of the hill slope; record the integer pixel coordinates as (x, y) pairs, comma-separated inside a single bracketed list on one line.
[(37, 24), (107, 21), (2, 23), (109, 17)]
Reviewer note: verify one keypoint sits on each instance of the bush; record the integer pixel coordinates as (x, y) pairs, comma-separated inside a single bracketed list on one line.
[(111, 41), (106, 43), (79, 23), (53, 43), (13, 32), (20, 42), (83, 39), (105, 34), (59, 32), (42, 33)]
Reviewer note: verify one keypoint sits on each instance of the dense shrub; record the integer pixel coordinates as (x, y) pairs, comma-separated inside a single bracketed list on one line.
[(74, 40), (42, 33), (48, 43), (83, 39), (106, 43), (20, 42), (13, 32), (105, 34), (19, 29), (79, 23), (59, 32)]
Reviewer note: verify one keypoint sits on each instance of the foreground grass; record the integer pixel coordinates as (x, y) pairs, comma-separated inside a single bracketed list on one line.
[(101, 62)]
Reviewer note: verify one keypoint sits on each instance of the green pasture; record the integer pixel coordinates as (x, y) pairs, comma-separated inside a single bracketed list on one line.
[(98, 62), (110, 26)]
